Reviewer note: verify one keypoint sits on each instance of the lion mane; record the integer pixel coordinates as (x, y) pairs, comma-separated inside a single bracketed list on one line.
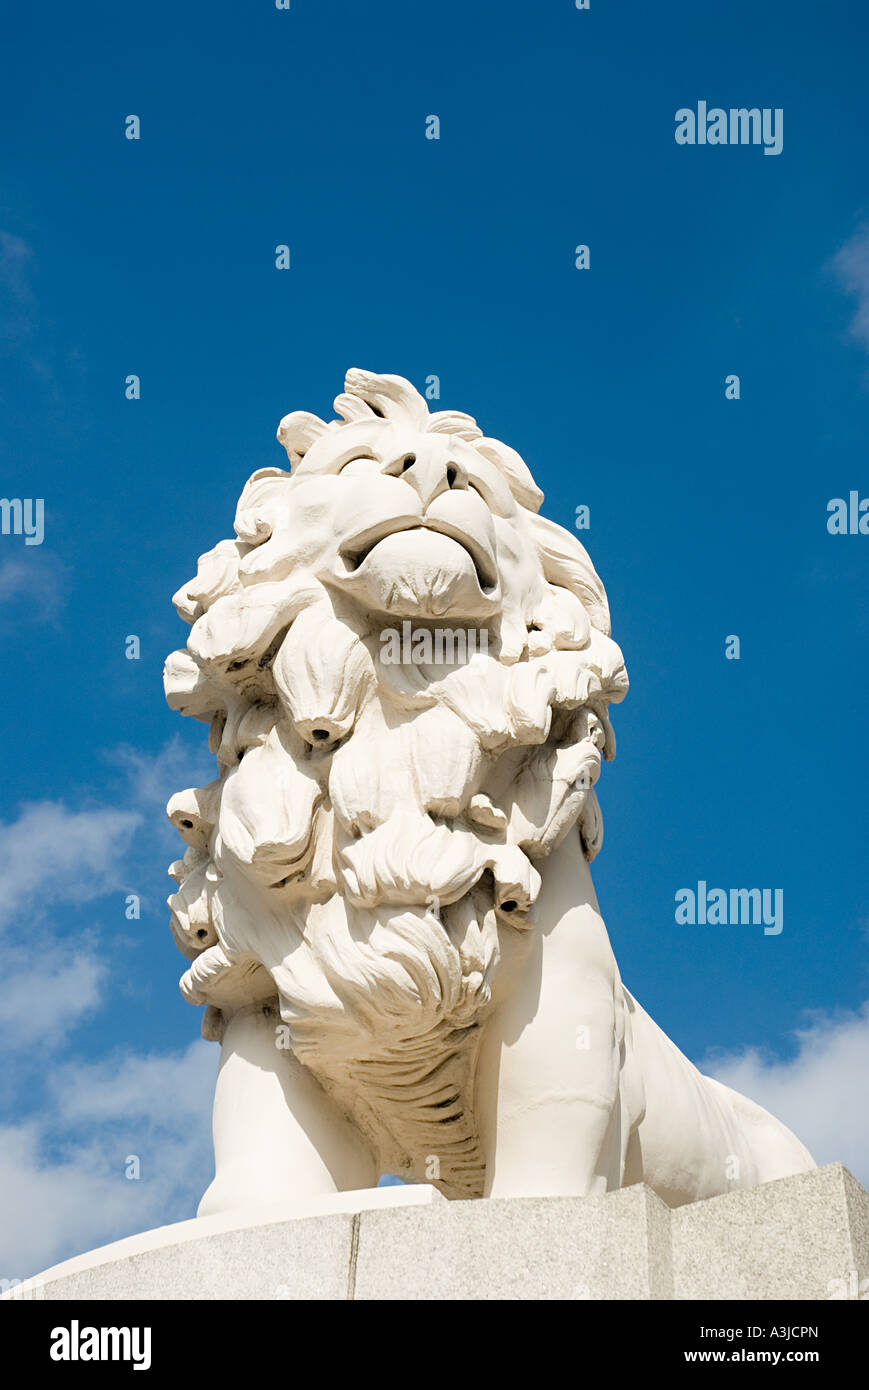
[(377, 827)]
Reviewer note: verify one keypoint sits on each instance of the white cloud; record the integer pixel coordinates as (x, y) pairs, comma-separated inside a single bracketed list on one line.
[(15, 259), (820, 1093), (48, 1209), (18, 310), (62, 1196), (52, 854), (38, 578), (135, 1086), (63, 1187), (46, 993), (851, 264), (154, 777)]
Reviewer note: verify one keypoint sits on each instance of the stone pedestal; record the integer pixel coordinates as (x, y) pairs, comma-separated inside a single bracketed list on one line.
[(804, 1237)]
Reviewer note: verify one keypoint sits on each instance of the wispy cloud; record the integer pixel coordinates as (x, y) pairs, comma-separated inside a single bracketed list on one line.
[(36, 578), (851, 265), (51, 854), (15, 257), (16, 295), (133, 1086), (820, 1093), (154, 777), (45, 994), (63, 1184), (15, 260), (63, 1180)]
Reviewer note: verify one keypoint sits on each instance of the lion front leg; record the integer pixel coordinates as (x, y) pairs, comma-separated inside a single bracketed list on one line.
[(277, 1135), (549, 1093)]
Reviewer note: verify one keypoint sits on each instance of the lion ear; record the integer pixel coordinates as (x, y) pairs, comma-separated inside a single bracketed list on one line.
[(255, 514), (566, 562), (390, 396), (298, 431), (515, 470)]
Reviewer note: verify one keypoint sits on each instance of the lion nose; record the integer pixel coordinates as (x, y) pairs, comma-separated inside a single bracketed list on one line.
[(431, 475)]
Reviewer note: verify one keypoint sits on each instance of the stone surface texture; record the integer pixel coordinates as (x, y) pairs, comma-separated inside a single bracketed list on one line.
[(803, 1237)]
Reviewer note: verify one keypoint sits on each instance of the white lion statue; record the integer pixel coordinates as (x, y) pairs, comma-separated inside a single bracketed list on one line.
[(385, 899)]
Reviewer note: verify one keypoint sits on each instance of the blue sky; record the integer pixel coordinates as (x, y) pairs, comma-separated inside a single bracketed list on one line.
[(452, 257)]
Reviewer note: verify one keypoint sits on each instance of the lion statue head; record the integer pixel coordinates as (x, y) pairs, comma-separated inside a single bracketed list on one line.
[(387, 787)]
